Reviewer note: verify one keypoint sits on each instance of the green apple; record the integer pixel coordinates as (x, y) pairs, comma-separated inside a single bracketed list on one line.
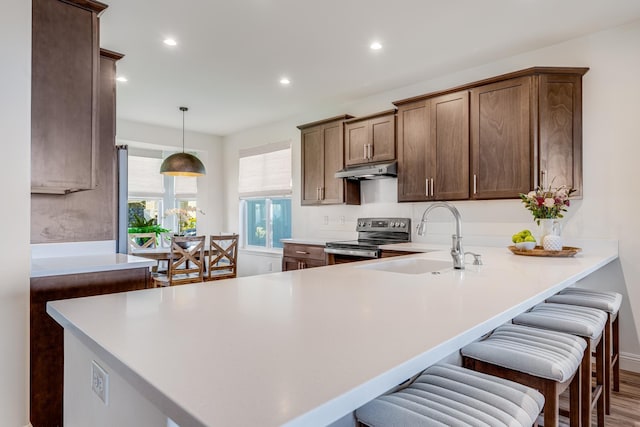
[(529, 238)]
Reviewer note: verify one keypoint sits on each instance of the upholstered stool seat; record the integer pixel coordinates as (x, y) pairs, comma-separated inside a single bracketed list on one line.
[(448, 395), (588, 323), (546, 360), (610, 302)]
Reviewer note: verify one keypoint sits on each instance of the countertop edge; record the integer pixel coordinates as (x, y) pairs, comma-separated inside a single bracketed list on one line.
[(88, 264)]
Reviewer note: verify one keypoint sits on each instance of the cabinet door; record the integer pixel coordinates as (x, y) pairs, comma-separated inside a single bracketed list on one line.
[(449, 146), (356, 141), (560, 131), (333, 189), (383, 138), (413, 165), (64, 83), (289, 264), (312, 165), (500, 139)]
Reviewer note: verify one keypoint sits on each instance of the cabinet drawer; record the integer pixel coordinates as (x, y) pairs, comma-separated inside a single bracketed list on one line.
[(299, 251)]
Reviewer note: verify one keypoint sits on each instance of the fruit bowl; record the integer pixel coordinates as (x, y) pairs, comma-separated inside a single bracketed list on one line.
[(525, 246)]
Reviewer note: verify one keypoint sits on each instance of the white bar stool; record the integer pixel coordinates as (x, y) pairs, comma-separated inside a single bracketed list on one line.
[(548, 361), (454, 396), (610, 302), (585, 322)]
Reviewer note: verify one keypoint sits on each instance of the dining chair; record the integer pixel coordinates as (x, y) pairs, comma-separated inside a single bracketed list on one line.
[(223, 257), (141, 241), (186, 262)]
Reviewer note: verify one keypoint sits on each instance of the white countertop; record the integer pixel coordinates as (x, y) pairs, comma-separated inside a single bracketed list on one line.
[(58, 266), (306, 347)]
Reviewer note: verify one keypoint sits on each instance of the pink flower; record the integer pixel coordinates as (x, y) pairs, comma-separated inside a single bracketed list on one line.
[(549, 202)]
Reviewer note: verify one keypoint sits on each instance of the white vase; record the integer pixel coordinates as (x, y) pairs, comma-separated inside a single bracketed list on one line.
[(550, 234)]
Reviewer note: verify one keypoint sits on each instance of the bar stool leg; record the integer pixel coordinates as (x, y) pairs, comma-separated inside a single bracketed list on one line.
[(616, 354), (607, 364), (574, 399), (600, 374), (585, 403)]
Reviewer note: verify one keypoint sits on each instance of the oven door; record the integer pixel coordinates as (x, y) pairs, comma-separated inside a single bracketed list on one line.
[(343, 255)]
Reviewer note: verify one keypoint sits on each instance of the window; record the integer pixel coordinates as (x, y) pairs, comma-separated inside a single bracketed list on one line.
[(264, 186), (152, 194)]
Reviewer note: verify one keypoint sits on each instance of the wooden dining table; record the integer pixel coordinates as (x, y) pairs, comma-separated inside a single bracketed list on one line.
[(159, 254)]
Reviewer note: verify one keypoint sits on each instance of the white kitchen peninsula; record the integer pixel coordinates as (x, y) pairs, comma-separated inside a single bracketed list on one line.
[(298, 348)]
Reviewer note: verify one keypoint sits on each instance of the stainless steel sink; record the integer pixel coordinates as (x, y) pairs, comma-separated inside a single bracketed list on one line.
[(409, 266)]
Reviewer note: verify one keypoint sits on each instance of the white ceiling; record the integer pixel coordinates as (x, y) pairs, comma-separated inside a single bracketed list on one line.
[(231, 54)]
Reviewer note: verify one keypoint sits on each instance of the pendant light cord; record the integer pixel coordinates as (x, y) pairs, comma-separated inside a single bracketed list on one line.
[(183, 109)]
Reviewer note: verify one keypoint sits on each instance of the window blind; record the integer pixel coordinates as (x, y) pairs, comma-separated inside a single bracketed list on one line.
[(186, 186), (265, 171), (144, 176)]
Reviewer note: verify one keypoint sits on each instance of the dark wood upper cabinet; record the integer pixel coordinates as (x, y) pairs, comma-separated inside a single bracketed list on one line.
[(64, 100), (514, 132), (322, 156), (500, 139), (413, 165), (559, 132), (370, 139), (433, 149), (449, 147)]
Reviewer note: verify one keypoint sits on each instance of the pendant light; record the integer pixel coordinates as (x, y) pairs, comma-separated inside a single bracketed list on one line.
[(182, 164)]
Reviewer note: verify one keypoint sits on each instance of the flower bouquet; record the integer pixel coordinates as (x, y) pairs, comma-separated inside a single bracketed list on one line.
[(547, 203)]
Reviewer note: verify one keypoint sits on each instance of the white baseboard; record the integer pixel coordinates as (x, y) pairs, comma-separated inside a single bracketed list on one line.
[(630, 362)]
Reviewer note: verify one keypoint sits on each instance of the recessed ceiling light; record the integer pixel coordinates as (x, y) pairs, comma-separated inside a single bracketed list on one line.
[(375, 46), (285, 81), (122, 79), (170, 42)]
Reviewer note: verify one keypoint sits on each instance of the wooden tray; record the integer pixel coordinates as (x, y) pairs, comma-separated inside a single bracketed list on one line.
[(566, 251)]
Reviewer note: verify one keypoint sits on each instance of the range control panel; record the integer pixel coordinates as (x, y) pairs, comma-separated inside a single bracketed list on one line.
[(384, 224)]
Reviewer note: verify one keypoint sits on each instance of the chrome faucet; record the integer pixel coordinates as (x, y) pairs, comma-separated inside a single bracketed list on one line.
[(456, 239)]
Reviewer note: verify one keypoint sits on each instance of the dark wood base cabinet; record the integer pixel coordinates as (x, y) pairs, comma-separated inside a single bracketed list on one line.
[(296, 256), (47, 339)]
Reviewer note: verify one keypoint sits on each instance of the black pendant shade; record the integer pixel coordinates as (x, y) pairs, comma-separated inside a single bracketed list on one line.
[(182, 164)]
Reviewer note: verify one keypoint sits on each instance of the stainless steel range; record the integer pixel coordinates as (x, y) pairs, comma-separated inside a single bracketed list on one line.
[(372, 233)]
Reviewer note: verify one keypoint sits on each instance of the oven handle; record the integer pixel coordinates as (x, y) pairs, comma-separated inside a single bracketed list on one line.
[(352, 252)]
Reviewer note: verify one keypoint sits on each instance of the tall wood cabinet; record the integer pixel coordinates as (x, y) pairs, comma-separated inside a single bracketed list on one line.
[(433, 148), (86, 215), (322, 156), (494, 138), (370, 139), (64, 100)]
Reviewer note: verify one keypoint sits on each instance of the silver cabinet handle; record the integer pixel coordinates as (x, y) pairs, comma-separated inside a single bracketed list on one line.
[(432, 193), (302, 252), (543, 176), (426, 185), (370, 151), (321, 193), (365, 151), (317, 193), (475, 184)]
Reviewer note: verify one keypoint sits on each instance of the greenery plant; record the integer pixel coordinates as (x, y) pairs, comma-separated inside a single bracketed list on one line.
[(142, 225)]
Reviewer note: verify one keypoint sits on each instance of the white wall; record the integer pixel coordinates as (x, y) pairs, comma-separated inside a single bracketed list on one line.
[(15, 122), (611, 90), (209, 148)]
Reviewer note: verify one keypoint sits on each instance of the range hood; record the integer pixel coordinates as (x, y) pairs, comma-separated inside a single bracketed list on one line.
[(377, 171)]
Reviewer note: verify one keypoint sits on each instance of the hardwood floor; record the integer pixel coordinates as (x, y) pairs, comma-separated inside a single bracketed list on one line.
[(625, 404)]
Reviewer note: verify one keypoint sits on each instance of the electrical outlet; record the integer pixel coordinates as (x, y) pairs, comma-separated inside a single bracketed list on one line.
[(99, 381), (325, 220), (341, 219)]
